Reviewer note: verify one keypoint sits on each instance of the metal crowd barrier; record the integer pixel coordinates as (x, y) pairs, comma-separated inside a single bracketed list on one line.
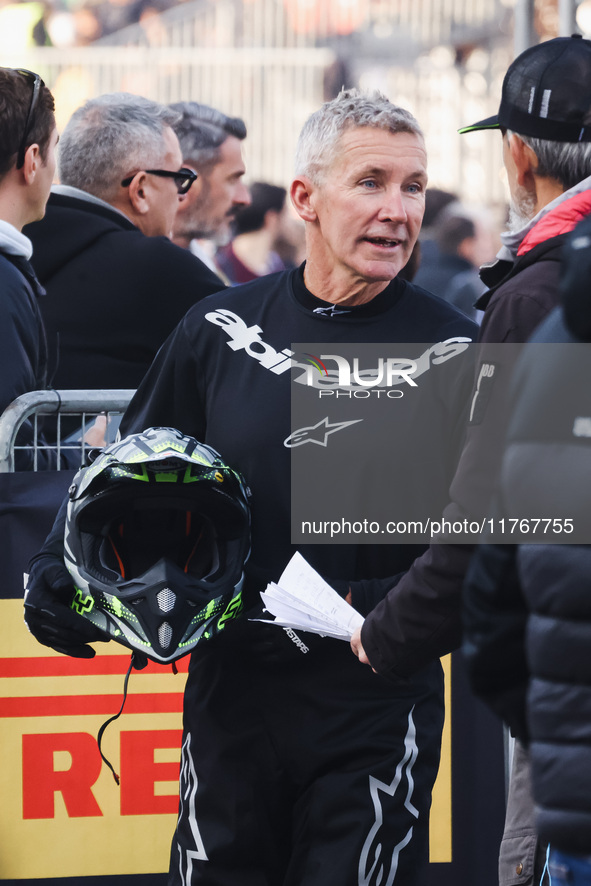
[(53, 405)]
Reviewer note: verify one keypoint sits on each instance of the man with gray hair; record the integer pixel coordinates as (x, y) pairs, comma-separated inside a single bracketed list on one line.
[(116, 284), (211, 145), (299, 766)]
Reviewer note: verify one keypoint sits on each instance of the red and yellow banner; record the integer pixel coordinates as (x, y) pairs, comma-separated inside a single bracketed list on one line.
[(62, 815)]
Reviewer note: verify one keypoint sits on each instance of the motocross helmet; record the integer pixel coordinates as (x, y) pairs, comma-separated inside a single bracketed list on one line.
[(157, 535)]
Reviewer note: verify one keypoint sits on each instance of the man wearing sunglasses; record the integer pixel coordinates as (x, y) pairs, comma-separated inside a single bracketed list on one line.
[(116, 283), (28, 137)]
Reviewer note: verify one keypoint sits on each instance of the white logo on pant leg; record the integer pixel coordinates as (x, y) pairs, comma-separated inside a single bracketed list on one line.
[(188, 791), (374, 871)]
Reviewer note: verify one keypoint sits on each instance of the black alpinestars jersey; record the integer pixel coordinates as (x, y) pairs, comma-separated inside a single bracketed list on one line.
[(224, 377)]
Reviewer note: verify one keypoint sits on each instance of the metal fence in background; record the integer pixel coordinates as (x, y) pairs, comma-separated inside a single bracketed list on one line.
[(274, 89), (398, 25), (273, 62), (36, 406)]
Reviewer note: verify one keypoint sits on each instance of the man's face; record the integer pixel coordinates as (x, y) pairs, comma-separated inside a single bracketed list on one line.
[(216, 196), (164, 197), (369, 206)]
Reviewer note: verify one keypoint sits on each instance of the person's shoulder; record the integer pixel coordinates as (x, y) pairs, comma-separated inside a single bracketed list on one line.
[(247, 303), (17, 298), (519, 304), (66, 207), (554, 329), (438, 315), (11, 280), (248, 297), (163, 258)]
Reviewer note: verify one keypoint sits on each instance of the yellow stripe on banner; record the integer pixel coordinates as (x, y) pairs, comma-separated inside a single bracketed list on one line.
[(440, 829), (110, 684)]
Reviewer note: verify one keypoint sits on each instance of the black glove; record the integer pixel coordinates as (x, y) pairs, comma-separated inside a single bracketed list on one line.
[(48, 615)]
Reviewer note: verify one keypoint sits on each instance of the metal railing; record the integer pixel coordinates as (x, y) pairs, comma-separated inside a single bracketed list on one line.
[(273, 89), (35, 405), (273, 62), (299, 23)]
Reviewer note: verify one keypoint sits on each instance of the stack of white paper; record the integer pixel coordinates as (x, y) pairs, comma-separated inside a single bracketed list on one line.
[(304, 601)]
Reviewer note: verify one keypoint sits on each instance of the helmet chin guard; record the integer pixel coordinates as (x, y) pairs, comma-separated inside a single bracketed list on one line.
[(157, 534)]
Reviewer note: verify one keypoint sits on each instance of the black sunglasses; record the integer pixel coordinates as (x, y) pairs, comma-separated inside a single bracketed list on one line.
[(183, 179), (37, 84)]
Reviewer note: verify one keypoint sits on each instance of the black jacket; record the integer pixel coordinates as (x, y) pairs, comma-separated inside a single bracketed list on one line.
[(22, 339), (224, 377), (23, 348), (528, 607), (113, 294), (421, 615)]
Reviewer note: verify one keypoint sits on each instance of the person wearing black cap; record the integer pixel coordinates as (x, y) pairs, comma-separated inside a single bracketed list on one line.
[(542, 690), (545, 121)]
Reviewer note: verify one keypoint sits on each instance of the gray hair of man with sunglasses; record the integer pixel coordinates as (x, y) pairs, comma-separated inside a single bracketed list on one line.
[(20, 128), (111, 137)]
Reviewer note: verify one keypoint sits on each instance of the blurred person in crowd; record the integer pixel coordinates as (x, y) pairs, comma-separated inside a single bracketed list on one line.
[(527, 618), (543, 118), (28, 139), (436, 200), (115, 15), (251, 253), (334, 764), (116, 285), (22, 25), (464, 240), (211, 145), (290, 244)]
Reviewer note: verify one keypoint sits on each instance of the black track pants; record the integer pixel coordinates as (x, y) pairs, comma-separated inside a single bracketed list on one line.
[(303, 768)]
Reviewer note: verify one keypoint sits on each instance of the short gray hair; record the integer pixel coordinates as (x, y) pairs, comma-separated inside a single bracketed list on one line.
[(566, 162), (202, 130), (351, 109), (108, 138)]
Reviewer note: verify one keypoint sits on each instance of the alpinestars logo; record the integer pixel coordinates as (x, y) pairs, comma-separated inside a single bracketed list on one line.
[(249, 338), (350, 376), (378, 863), (317, 433), (188, 814)]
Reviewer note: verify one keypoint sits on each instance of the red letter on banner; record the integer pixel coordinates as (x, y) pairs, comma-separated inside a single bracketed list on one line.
[(41, 780), (140, 772)]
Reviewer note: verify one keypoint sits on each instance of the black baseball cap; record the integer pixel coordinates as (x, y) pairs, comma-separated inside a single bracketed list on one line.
[(547, 93)]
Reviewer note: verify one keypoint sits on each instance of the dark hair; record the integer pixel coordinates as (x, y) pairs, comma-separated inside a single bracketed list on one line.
[(16, 91), (452, 230), (435, 202), (264, 197), (202, 130)]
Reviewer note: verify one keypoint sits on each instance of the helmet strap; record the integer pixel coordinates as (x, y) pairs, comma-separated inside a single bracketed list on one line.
[(101, 731)]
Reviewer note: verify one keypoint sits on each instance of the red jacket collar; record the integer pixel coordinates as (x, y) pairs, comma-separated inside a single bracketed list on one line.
[(560, 220)]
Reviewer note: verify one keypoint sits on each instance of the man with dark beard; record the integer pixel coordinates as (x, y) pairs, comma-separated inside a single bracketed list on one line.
[(545, 121), (211, 144)]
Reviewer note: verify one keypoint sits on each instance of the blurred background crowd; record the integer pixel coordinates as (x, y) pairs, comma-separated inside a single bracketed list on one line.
[(272, 62)]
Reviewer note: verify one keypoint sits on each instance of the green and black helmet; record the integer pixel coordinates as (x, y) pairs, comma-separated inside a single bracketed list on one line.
[(157, 535)]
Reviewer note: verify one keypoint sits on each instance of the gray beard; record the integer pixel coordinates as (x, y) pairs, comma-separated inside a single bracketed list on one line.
[(521, 210)]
